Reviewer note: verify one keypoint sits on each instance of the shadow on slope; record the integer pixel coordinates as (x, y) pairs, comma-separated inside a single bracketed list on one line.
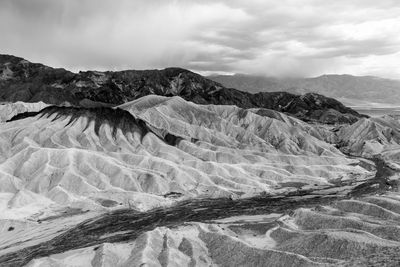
[(116, 118)]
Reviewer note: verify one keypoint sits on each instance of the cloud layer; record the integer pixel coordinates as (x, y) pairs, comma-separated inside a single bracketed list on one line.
[(268, 37)]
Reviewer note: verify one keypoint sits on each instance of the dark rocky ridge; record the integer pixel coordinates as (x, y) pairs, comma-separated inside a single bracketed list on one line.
[(21, 80), (116, 118)]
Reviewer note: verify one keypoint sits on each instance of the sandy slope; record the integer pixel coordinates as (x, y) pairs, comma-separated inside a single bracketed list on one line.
[(66, 165), (84, 158), (364, 232)]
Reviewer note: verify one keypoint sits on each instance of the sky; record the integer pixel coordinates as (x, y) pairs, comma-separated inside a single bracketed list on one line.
[(285, 38)]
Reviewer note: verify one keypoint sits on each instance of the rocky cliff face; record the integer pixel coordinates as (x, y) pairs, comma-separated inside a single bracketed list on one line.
[(21, 80)]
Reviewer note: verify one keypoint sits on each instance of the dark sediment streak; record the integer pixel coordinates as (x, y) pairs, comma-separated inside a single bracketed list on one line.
[(379, 184), (90, 232), (134, 223)]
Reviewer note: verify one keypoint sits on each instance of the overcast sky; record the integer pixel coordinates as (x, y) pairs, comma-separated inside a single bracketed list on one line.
[(267, 37)]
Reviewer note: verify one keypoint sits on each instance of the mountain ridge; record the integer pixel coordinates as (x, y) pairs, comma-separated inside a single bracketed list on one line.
[(21, 80)]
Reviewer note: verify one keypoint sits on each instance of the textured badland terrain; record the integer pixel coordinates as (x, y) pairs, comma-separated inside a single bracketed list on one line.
[(168, 168)]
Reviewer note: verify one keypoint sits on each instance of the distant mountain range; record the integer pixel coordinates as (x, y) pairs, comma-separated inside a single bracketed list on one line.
[(353, 90), (21, 80)]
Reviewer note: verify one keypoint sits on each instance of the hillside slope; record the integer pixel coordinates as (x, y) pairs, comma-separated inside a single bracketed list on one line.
[(158, 179), (81, 157)]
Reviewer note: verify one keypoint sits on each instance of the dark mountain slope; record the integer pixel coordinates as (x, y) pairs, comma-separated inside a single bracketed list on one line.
[(21, 80)]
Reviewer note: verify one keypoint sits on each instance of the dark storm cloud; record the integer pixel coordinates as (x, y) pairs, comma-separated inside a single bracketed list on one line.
[(289, 37)]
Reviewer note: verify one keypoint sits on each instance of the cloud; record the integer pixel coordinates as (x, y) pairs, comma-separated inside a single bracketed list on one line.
[(289, 38)]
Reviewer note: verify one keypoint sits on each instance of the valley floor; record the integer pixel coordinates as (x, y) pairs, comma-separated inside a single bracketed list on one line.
[(347, 224)]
